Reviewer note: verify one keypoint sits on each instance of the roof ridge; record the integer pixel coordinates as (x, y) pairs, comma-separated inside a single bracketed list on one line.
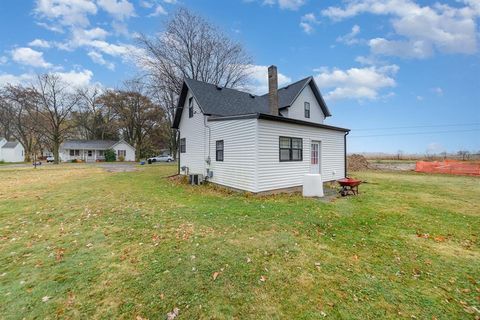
[(298, 81), (217, 86)]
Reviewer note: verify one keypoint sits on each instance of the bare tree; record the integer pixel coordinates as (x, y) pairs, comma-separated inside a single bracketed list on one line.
[(95, 120), (18, 101), (465, 154), (190, 47), (399, 154), (136, 114), (57, 100)]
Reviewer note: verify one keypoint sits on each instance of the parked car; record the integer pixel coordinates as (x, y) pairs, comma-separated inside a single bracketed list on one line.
[(166, 158), (50, 159)]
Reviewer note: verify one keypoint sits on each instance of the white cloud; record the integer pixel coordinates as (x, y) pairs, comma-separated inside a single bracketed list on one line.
[(438, 91), (259, 76), (350, 38), (39, 43), (159, 10), (408, 49), (3, 60), (284, 4), (307, 22), (419, 98), (356, 83), (30, 57), (76, 78), (99, 59), (6, 78), (170, 1), (66, 12), (421, 30), (291, 4), (146, 4), (119, 9), (370, 60)]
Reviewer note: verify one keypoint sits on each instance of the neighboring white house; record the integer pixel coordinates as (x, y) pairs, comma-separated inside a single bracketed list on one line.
[(93, 150), (11, 151), (258, 143)]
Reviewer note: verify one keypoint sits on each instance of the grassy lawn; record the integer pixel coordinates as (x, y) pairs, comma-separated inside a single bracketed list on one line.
[(79, 242)]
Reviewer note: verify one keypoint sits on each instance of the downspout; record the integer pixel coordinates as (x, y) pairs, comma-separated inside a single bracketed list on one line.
[(178, 151), (345, 151), (209, 159)]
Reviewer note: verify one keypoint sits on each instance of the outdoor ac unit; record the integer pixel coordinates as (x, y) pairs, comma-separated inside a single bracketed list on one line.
[(195, 179)]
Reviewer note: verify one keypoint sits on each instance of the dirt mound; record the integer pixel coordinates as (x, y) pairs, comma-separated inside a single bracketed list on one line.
[(357, 162)]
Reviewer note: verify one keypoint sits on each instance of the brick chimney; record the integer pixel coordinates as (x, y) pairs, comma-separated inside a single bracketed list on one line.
[(273, 90)]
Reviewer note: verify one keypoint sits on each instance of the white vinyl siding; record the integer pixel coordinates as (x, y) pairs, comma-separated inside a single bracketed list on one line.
[(297, 109), (193, 130), (237, 170), (15, 154), (124, 147), (273, 174)]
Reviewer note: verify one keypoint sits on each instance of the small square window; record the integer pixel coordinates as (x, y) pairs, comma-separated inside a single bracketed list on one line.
[(219, 150), (307, 109)]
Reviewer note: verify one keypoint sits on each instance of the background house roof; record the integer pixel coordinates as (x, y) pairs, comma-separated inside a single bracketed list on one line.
[(10, 145), (88, 144), (220, 101)]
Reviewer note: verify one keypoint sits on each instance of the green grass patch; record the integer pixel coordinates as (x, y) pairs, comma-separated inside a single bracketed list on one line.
[(78, 242)]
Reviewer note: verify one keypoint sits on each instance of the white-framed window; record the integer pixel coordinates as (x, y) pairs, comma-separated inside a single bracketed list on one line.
[(307, 109), (290, 149), (122, 153), (190, 107), (219, 150), (183, 145), (74, 153)]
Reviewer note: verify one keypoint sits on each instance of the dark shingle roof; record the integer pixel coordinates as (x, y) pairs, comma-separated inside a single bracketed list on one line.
[(88, 144), (10, 144), (220, 101)]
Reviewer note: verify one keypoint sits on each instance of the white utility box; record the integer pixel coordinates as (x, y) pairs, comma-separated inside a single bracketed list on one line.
[(312, 185)]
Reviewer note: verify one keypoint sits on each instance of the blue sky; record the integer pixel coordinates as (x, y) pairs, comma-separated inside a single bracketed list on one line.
[(403, 75)]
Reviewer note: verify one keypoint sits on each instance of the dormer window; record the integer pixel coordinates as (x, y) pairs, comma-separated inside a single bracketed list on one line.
[(307, 109), (190, 107)]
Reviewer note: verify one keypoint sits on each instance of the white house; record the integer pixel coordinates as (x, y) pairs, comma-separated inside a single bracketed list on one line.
[(258, 143), (93, 150), (11, 151)]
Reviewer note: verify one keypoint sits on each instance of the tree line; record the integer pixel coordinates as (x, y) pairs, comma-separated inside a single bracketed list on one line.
[(43, 114)]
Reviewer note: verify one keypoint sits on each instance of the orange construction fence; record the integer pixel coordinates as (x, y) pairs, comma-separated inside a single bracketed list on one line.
[(449, 167)]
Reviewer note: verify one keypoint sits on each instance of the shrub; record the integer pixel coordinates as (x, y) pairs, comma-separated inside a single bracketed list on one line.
[(110, 155), (121, 158)]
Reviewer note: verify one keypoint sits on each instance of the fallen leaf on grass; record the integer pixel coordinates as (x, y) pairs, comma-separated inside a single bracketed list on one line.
[(59, 252), (45, 299), (440, 238), (172, 315), (215, 275), (249, 260), (423, 235), (263, 278)]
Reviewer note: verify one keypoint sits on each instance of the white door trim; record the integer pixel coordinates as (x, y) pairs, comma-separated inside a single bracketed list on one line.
[(315, 157)]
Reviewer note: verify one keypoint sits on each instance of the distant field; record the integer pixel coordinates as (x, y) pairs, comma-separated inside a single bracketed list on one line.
[(79, 242)]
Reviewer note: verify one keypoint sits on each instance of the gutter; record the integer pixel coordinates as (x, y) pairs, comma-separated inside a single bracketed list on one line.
[(345, 151)]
